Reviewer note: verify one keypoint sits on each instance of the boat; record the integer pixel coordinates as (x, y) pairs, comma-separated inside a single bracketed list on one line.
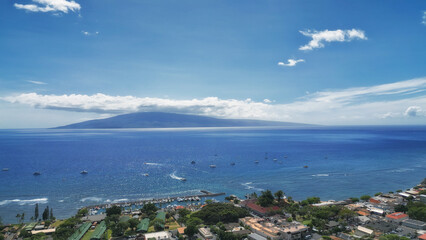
[(146, 174), (306, 166), (5, 169), (275, 159), (232, 164), (256, 162), (192, 162), (36, 173), (183, 179), (84, 172), (212, 166)]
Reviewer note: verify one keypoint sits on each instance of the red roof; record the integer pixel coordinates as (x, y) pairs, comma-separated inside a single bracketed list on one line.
[(397, 215), (253, 206), (423, 236), (372, 200), (179, 207)]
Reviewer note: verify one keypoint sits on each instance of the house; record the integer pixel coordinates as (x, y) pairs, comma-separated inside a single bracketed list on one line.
[(422, 237), (274, 231), (257, 209), (205, 233), (364, 219), (94, 218), (363, 231), (143, 226), (158, 236), (416, 224), (181, 231), (396, 217), (255, 236)]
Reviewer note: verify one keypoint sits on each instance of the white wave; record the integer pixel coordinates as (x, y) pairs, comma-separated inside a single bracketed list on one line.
[(120, 200), (60, 200), (173, 175), (153, 164), (248, 186), (91, 199), (321, 175), (108, 200), (24, 202)]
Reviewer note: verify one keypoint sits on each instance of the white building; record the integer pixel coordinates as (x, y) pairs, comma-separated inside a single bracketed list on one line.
[(158, 236)]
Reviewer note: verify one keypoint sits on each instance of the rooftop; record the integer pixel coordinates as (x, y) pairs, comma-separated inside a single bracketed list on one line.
[(397, 215)]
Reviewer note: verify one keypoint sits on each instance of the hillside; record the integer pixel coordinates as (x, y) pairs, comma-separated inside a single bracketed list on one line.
[(170, 120)]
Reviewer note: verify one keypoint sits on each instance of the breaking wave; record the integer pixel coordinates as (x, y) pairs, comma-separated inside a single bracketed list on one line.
[(321, 175), (24, 202), (91, 199)]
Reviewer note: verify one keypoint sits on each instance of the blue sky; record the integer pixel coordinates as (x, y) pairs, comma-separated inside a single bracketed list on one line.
[(64, 61)]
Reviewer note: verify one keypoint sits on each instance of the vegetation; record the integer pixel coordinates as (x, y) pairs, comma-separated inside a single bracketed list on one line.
[(36, 212), (392, 237), (417, 210), (279, 195), (220, 212), (66, 229), (266, 199), (365, 197), (114, 210), (354, 199)]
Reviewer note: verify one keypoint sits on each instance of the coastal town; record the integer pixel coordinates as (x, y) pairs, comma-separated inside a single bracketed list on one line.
[(258, 216)]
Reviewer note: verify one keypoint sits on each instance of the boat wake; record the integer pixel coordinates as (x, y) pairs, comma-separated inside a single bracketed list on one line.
[(321, 175), (152, 164), (173, 175)]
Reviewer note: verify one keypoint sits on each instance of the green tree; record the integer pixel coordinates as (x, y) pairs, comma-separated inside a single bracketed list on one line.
[(190, 231), (36, 212), (82, 212), (194, 221), (18, 217), (220, 212), (45, 214), (183, 212), (24, 233), (119, 229), (133, 223), (365, 197), (354, 199), (158, 224), (266, 198), (149, 208), (378, 194), (392, 237), (279, 195), (114, 210), (51, 217), (400, 208), (66, 229)]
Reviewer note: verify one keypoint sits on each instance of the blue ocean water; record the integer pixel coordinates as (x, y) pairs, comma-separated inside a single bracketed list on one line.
[(343, 162)]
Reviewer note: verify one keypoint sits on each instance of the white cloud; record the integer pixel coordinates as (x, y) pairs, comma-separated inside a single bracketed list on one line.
[(319, 37), (424, 18), (291, 62), (413, 111), (36, 82), (63, 6), (360, 105), (86, 33)]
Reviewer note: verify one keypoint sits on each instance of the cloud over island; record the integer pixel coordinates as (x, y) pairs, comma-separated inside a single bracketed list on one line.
[(346, 106)]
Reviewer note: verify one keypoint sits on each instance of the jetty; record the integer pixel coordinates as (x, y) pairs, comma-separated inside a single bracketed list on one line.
[(204, 194)]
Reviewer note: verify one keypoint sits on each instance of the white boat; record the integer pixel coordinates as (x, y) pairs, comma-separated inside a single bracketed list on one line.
[(212, 166), (84, 172), (146, 174)]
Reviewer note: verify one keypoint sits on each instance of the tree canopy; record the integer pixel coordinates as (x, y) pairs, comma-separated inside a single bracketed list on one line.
[(220, 212)]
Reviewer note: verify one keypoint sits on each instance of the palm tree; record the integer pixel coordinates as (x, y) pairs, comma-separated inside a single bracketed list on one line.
[(279, 195)]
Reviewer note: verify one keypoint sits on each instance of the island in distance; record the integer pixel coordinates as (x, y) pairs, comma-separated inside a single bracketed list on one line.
[(172, 120)]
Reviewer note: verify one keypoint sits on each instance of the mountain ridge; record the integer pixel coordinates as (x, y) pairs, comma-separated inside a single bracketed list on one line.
[(171, 120)]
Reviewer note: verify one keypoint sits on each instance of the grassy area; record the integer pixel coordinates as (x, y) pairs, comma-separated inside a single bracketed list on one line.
[(88, 235), (57, 223), (151, 229), (307, 222), (173, 225)]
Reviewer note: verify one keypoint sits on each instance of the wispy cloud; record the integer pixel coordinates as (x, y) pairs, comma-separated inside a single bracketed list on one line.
[(36, 82), (398, 100), (291, 62), (319, 37), (86, 33), (63, 6), (424, 18)]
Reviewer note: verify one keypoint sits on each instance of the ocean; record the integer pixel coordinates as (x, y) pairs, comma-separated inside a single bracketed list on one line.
[(341, 162)]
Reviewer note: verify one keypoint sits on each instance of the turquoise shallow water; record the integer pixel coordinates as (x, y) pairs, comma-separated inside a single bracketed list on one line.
[(343, 162)]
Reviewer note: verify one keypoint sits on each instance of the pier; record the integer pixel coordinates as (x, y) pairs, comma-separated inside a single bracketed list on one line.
[(203, 194)]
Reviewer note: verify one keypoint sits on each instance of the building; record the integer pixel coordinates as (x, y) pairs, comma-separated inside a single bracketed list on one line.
[(255, 236), (416, 224), (256, 209), (422, 237), (205, 233), (94, 218), (99, 231), (396, 217), (279, 230), (143, 226), (363, 231), (158, 236)]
